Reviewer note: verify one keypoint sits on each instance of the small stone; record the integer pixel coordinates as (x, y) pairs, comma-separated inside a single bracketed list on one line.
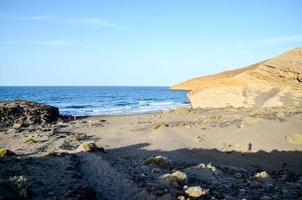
[(251, 121), (17, 126), (242, 191), (5, 152), (157, 126), (75, 138), (294, 138), (50, 153), (299, 77), (181, 198), (30, 141), (263, 177), (262, 174), (238, 175), (200, 138), (158, 161), (227, 147), (266, 198), (196, 191), (155, 171), (280, 115)]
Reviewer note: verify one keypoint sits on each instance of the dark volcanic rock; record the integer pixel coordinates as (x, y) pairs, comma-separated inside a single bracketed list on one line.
[(21, 113)]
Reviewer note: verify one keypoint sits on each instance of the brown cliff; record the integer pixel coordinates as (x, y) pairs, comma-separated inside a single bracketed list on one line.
[(274, 82)]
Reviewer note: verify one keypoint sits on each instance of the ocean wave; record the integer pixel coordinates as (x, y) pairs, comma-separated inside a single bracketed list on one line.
[(78, 106), (162, 103)]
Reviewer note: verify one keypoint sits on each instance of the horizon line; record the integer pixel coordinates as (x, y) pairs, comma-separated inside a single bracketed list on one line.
[(84, 86)]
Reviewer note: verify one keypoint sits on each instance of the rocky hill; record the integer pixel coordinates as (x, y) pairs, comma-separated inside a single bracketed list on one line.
[(22, 113), (274, 82)]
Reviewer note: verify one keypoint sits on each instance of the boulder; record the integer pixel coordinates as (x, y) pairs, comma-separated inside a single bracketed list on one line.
[(17, 114), (203, 172), (176, 179), (158, 161), (89, 147), (263, 177)]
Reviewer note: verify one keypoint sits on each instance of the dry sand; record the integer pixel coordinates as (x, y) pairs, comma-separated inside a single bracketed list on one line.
[(238, 142)]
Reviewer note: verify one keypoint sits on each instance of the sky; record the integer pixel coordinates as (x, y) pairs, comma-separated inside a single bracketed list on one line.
[(139, 43)]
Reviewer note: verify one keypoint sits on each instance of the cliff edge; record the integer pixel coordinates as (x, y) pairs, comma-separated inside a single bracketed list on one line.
[(274, 82)]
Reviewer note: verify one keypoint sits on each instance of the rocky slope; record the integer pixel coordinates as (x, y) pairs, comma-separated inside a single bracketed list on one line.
[(22, 113), (274, 82)]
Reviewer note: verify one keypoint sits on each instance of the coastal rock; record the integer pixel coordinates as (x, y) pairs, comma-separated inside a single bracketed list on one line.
[(17, 114), (158, 161), (196, 191), (176, 179), (274, 82)]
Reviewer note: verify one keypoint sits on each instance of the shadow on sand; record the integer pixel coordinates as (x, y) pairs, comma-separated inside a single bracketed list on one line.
[(269, 161), (103, 175)]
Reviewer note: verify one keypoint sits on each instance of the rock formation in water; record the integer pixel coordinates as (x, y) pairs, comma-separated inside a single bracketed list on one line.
[(25, 113), (274, 82)]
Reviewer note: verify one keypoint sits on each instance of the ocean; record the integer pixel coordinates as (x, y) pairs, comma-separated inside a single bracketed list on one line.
[(100, 100)]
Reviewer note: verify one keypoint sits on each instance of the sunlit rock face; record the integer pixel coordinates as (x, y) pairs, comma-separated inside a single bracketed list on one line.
[(274, 82)]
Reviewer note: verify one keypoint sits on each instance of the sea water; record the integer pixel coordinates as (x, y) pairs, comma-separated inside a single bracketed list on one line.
[(100, 100)]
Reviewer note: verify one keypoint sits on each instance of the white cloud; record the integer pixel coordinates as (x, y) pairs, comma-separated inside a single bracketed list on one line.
[(38, 43), (36, 18), (97, 22), (94, 21)]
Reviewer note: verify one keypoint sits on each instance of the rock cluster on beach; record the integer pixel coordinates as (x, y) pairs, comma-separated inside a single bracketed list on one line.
[(274, 82), (18, 114)]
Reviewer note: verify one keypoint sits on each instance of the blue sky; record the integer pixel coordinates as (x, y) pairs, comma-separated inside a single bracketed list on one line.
[(64, 42)]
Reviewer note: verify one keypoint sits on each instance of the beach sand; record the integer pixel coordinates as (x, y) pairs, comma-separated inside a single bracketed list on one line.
[(234, 144)]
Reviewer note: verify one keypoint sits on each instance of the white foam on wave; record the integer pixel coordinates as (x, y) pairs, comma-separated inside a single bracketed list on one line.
[(118, 110), (162, 103)]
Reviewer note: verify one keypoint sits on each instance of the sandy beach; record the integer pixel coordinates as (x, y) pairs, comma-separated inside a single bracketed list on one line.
[(220, 150), (150, 100)]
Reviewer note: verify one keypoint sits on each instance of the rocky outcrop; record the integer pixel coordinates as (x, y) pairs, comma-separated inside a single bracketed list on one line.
[(274, 82), (19, 114)]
